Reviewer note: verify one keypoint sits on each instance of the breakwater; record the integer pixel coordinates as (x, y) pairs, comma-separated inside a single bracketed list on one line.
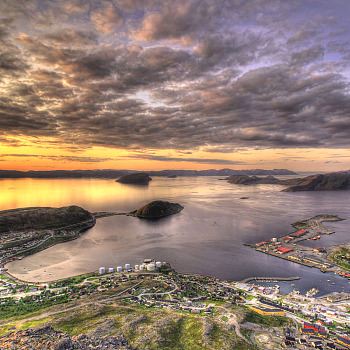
[(269, 279)]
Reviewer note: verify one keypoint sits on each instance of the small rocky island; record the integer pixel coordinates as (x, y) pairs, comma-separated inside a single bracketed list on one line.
[(157, 209), (251, 180), (135, 178)]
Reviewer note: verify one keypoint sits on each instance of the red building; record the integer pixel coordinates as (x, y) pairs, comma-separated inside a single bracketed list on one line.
[(284, 250), (311, 328), (263, 243), (300, 233)]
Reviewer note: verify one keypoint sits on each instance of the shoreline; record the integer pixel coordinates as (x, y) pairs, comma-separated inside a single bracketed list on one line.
[(95, 273), (69, 235), (317, 219)]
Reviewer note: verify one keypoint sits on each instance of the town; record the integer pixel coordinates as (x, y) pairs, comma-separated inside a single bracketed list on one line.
[(306, 321)]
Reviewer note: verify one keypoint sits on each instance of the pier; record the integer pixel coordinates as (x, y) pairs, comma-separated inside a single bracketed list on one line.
[(269, 279)]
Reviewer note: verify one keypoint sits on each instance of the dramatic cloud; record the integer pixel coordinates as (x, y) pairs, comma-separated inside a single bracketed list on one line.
[(216, 75), (59, 158)]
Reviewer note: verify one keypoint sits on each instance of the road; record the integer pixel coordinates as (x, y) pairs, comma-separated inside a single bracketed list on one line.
[(52, 313), (164, 293)]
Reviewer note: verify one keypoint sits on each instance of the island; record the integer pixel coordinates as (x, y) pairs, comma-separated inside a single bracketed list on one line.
[(135, 178), (157, 209), (251, 180)]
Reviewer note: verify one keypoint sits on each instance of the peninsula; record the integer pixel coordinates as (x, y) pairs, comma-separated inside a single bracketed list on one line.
[(26, 231), (319, 182), (290, 247), (322, 182)]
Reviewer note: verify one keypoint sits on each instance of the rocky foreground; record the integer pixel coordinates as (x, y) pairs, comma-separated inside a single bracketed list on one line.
[(48, 338)]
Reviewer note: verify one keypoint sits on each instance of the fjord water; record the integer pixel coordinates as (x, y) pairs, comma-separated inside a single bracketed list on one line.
[(207, 237)]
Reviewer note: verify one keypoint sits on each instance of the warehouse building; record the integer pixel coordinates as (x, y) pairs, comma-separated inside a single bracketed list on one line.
[(267, 311), (283, 250)]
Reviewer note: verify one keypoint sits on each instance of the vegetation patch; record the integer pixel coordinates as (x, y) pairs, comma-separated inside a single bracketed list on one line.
[(341, 257), (271, 321)]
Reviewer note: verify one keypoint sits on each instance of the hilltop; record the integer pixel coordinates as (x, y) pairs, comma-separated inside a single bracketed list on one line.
[(43, 218)]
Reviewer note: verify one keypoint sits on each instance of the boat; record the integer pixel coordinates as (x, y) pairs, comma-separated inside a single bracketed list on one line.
[(312, 292)]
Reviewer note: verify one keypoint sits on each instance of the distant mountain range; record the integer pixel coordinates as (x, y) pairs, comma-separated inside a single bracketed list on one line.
[(114, 174)]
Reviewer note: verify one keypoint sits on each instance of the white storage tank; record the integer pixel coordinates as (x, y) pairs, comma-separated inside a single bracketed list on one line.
[(274, 240), (158, 264), (119, 269), (102, 270), (111, 269), (127, 267), (151, 267), (142, 267), (137, 267)]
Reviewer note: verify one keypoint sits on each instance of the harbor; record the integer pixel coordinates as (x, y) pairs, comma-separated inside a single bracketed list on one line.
[(289, 247)]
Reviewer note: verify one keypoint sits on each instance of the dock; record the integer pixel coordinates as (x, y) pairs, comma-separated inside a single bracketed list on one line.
[(289, 247)]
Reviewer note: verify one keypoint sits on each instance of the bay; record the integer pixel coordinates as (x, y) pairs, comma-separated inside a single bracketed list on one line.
[(207, 237)]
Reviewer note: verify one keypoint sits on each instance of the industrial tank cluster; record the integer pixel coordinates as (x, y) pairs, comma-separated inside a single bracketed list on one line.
[(147, 265)]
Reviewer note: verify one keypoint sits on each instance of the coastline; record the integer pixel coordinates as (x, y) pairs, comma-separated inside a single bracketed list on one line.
[(317, 219)]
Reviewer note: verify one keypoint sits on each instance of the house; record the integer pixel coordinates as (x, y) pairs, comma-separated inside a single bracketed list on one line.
[(344, 341)]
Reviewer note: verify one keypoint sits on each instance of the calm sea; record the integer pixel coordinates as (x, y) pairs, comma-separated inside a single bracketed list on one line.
[(207, 237)]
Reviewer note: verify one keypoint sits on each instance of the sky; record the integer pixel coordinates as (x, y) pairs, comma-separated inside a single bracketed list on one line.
[(180, 84)]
